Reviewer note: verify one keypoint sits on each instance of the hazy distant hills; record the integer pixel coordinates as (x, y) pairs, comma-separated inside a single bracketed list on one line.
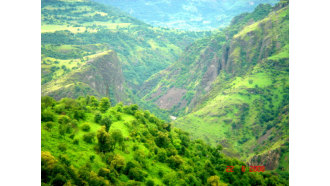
[(186, 14)]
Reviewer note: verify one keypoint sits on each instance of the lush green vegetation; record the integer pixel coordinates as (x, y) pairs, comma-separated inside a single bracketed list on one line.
[(226, 92), (88, 141)]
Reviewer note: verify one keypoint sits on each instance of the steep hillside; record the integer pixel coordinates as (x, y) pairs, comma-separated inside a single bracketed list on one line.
[(87, 141), (234, 87), (247, 106), (179, 87), (186, 14), (100, 76), (72, 30)]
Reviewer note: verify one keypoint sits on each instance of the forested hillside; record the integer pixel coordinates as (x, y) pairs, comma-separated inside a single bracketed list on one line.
[(90, 142), (186, 14)]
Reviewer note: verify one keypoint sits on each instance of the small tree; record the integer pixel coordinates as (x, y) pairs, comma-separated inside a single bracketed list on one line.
[(47, 101), (213, 181), (106, 121), (93, 101), (47, 115), (162, 139), (117, 136), (118, 163), (175, 161), (89, 137), (105, 143), (64, 119), (97, 118), (104, 104), (86, 127)]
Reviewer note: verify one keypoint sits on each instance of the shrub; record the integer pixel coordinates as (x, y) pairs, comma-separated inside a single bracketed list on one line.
[(62, 147), (160, 173), (63, 119), (89, 137), (175, 161), (161, 156), (162, 139), (106, 121), (104, 172), (97, 118), (85, 127), (136, 174), (150, 183), (47, 101), (104, 104), (47, 115), (79, 115), (71, 136), (76, 141), (49, 125), (117, 136), (213, 181), (59, 180), (59, 108), (118, 163), (105, 143), (91, 158)]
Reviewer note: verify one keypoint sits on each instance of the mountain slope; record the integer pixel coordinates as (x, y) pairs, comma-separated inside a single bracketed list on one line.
[(184, 14), (179, 87), (232, 88), (247, 107)]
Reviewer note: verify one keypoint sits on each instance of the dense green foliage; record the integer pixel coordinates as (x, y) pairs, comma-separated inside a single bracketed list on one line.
[(139, 148), (186, 14)]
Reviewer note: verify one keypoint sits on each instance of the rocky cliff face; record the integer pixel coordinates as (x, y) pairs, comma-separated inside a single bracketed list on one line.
[(100, 76)]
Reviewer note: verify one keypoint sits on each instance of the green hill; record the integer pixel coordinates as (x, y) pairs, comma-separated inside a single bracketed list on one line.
[(87, 141)]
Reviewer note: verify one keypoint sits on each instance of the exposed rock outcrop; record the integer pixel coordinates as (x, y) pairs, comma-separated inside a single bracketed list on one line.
[(101, 76)]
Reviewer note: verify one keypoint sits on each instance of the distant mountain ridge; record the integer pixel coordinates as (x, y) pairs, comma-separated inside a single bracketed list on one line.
[(186, 14)]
